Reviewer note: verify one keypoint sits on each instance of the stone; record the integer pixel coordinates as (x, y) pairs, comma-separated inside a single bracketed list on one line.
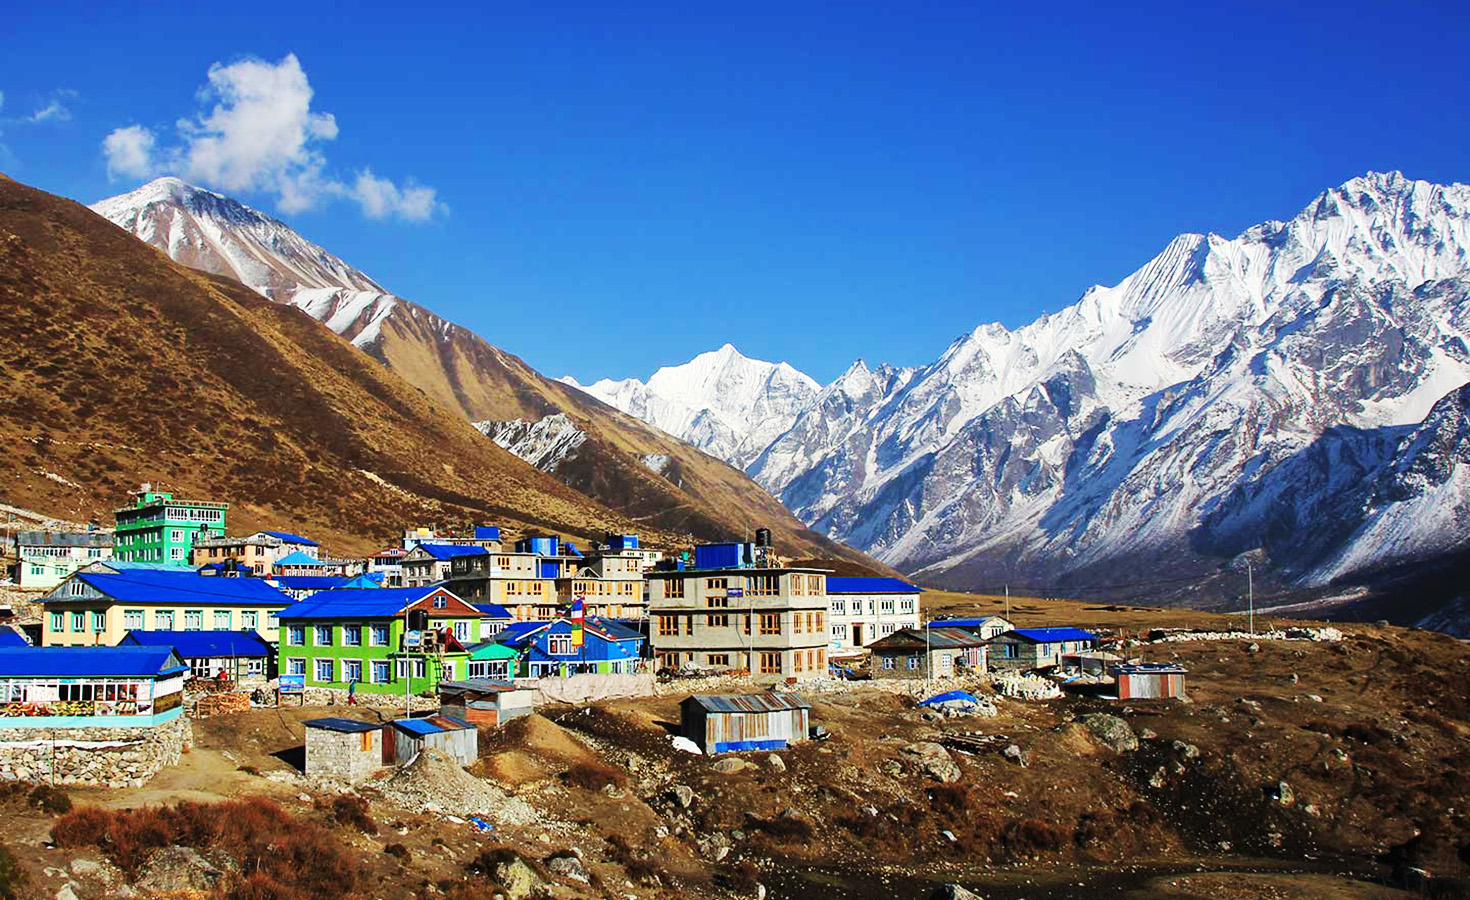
[(518, 878), (683, 795), (776, 763), (66, 893), (1015, 754), (933, 760), (1147, 734), (729, 765), (1284, 794), (87, 868), (1110, 731), (1188, 751), (760, 891), (953, 892), (1158, 779), (176, 869), (720, 853), (1253, 647), (568, 867)]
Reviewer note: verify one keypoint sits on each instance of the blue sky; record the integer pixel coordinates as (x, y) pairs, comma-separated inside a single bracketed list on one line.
[(621, 186)]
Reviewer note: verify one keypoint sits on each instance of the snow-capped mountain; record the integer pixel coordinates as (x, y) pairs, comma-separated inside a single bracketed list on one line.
[(726, 404), (1228, 397), (209, 231)]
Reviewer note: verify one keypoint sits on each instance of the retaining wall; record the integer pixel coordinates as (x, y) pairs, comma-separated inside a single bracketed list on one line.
[(92, 757)]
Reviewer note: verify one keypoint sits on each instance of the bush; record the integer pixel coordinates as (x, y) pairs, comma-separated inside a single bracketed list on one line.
[(49, 800), (594, 776), (782, 828), (12, 877), (81, 827), (399, 852), (639, 868), (352, 810), (742, 877)]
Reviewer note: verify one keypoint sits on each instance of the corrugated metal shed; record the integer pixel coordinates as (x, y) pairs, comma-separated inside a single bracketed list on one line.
[(768, 702), (725, 722), (1150, 681), (1053, 635), (406, 738)]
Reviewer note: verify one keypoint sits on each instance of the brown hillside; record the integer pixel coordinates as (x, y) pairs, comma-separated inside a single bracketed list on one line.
[(121, 366)]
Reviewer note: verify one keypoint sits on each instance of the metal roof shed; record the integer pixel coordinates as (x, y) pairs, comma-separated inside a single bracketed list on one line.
[(407, 738), (724, 722), (1150, 681), (343, 749), (482, 702)]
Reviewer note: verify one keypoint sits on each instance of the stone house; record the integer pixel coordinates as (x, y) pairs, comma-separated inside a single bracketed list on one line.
[(1037, 648), (344, 750), (939, 653)]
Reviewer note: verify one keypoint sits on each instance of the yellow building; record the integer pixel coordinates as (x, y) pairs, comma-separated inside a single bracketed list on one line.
[(98, 605)]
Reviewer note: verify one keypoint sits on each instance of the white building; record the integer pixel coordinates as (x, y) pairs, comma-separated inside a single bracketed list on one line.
[(47, 558), (866, 609)]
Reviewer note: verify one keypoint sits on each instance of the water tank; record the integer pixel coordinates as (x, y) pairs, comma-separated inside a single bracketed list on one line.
[(763, 537)]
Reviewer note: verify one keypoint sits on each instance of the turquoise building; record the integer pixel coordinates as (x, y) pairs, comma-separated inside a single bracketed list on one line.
[(159, 529)]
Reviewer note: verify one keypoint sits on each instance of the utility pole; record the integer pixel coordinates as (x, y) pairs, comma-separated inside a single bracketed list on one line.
[(1008, 603), (1250, 583)]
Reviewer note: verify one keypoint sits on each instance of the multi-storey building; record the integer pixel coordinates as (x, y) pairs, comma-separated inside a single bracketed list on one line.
[(256, 552), (426, 564), (96, 608), (610, 584), (47, 558), (360, 638), (771, 621), (524, 583), (158, 528), (866, 609)]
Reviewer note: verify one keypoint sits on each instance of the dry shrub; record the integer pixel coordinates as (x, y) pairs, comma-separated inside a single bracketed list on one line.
[(594, 776), (289, 860), (949, 799), (782, 828), (352, 810), (741, 877), (13, 878), (1031, 837), (248, 770), (640, 868), (473, 890), (398, 851)]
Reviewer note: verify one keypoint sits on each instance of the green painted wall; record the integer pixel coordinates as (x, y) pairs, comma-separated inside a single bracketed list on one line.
[(157, 525), (339, 651)]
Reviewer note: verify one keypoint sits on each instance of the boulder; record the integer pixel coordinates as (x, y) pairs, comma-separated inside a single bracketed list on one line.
[(178, 870), (518, 878), (568, 867), (1284, 794), (953, 892), (1015, 754), (776, 763), (933, 760), (683, 795), (1110, 731), (729, 765), (1188, 751)]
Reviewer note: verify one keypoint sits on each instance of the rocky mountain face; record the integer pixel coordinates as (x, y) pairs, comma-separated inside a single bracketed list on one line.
[(1292, 393), (126, 367), (722, 402), (614, 458)]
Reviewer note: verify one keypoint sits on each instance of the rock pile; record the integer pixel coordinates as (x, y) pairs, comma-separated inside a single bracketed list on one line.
[(1322, 634), (1025, 687), (435, 783)]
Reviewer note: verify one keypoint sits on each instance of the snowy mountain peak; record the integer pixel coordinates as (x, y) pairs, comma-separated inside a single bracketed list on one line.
[(721, 401)]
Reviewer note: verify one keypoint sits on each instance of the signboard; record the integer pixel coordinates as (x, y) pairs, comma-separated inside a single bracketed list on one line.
[(293, 684), (413, 640), (735, 592)]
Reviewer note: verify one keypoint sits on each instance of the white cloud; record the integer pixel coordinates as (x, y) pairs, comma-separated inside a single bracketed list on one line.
[(51, 112), (260, 134), (129, 152)]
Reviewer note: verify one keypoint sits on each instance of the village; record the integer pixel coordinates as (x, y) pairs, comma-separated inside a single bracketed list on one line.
[(498, 692)]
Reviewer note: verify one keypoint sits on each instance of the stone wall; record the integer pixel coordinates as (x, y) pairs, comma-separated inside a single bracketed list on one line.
[(319, 696), (92, 757), (335, 756)]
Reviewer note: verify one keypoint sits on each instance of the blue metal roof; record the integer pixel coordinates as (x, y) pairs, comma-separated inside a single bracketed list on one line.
[(494, 611), (81, 662), (487, 532), (1052, 635), (200, 644), (292, 538), (449, 551), (310, 582), (184, 586), (966, 623), (297, 558), (848, 585), (9, 637), (748, 703), (346, 726), (356, 603), (436, 724)]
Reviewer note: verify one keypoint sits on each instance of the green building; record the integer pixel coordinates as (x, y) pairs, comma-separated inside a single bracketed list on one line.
[(359, 637), (159, 529)]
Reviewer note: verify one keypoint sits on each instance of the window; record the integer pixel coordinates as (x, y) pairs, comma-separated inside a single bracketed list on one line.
[(887, 662), (796, 623), (837, 605), (352, 670), (559, 644), (163, 619), (796, 662), (441, 602), (816, 585), (249, 621), (379, 636), (718, 659), (323, 636), (176, 535), (296, 635), (674, 588), (223, 619), (133, 619), (296, 665), (193, 620), (461, 631), (352, 635), (99, 620), (885, 606), (906, 605), (770, 623), (913, 662), (798, 585), (821, 620), (765, 585), (668, 626), (380, 671), (58, 621), (324, 669), (176, 553), (716, 584), (770, 663), (78, 621)]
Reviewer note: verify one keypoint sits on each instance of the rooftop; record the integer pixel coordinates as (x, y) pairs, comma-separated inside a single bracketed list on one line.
[(95, 662), (181, 586), (849, 585), (756, 703), (199, 644), (291, 538)]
